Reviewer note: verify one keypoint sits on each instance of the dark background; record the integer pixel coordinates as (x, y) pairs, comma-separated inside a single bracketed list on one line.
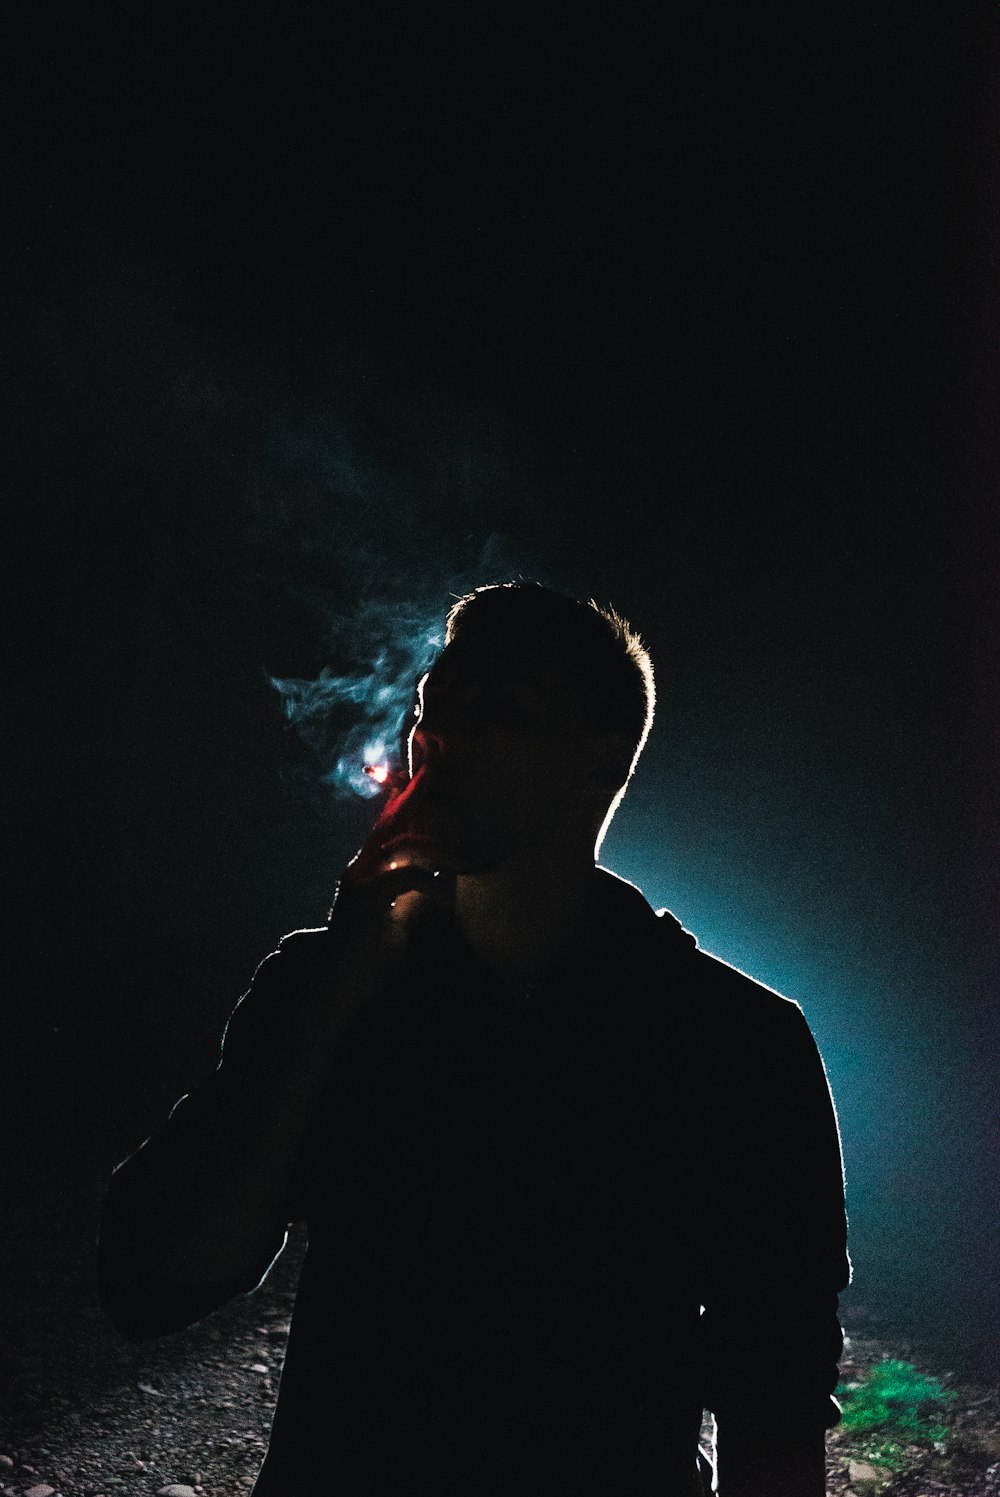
[(315, 327)]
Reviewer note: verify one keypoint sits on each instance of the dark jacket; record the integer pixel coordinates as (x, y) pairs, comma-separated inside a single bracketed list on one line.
[(547, 1229)]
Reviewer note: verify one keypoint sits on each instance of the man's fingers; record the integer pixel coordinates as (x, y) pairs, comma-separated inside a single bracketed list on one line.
[(372, 896), (410, 879), (372, 860)]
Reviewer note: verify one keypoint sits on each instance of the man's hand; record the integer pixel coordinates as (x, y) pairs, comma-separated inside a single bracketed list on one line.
[(383, 895)]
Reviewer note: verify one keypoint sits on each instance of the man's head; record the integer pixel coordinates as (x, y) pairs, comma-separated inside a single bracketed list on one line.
[(528, 728), (592, 654)]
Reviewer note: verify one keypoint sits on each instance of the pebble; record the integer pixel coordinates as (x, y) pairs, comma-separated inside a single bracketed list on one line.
[(7, 1461), (861, 1471), (41, 1491), (176, 1489)]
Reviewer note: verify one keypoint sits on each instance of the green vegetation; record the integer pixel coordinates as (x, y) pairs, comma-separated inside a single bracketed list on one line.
[(894, 1409)]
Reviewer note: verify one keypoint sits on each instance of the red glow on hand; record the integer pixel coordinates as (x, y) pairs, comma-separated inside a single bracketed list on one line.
[(371, 860)]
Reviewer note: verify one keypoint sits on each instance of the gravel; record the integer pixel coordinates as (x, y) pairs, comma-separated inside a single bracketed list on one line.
[(90, 1414)]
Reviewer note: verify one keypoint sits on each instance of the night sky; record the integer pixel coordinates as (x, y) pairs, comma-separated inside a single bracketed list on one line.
[(313, 329)]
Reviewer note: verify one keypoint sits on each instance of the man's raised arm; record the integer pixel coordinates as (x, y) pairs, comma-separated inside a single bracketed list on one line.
[(200, 1211)]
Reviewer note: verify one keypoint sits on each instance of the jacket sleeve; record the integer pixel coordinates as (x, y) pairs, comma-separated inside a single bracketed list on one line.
[(775, 1253), (138, 1300)]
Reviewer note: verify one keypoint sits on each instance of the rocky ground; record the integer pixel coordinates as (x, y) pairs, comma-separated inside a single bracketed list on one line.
[(91, 1413), (87, 1414), (968, 1462)]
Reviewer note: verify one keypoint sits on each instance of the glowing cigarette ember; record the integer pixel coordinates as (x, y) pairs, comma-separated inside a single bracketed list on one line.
[(378, 772)]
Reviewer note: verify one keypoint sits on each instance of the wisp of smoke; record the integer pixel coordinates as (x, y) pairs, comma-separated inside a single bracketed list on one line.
[(356, 718)]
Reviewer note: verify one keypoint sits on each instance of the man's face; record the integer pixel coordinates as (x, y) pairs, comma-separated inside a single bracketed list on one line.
[(494, 739)]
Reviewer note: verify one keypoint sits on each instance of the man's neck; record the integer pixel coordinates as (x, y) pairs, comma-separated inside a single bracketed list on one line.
[(520, 917)]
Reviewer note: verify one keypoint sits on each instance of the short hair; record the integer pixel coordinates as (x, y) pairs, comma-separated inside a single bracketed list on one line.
[(604, 660)]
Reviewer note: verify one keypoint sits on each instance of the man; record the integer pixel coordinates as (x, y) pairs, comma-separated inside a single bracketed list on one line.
[(568, 1180)]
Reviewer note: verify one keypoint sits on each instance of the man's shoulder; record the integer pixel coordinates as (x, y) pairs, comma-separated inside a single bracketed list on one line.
[(733, 988), (717, 988), (719, 992)]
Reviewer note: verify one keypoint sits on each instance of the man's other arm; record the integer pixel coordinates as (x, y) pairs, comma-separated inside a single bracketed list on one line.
[(776, 1260)]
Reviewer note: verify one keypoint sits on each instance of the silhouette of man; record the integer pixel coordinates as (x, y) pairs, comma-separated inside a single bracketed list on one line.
[(568, 1180)]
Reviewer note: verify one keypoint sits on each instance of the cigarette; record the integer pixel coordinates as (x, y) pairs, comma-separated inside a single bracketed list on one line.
[(378, 772)]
